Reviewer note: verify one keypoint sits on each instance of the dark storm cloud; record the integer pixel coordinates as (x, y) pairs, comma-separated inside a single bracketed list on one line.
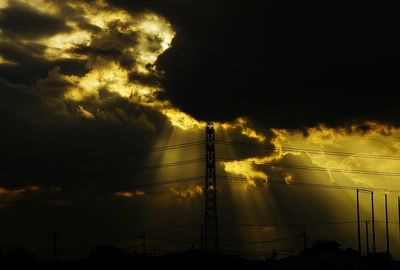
[(285, 64), (30, 64), (76, 15), (19, 52), (44, 127), (21, 21), (35, 108), (22, 26), (150, 79), (112, 45), (54, 84), (44, 138), (226, 56), (29, 72)]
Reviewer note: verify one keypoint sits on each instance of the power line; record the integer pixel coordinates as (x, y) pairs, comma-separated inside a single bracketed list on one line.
[(290, 224), (145, 168), (311, 151), (262, 242), (133, 235), (104, 191), (382, 138), (109, 156), (138, 169), (315, 168), (173, 240), (304, 184), (154, 230)]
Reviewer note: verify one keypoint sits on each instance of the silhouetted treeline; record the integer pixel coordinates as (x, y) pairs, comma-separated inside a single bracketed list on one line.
[(322, 255)]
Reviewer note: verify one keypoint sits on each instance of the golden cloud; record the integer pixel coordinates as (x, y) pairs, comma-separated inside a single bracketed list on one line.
[(338, 150), (4, 192), (119, 50), (185, 193), (129, 194)]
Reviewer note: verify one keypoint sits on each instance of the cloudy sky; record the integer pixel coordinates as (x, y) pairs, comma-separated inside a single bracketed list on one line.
[(103, 101)]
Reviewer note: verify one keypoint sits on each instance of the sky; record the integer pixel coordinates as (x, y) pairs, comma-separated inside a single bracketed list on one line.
[(101, 101)]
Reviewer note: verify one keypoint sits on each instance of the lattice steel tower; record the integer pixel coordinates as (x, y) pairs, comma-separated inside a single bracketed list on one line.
[(211, 242)]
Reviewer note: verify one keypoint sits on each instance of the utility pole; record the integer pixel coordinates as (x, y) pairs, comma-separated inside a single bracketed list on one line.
[(367, 235), (398, 206), (387, 226), (144, 243), (358, 222), (373, 219), (211, 240), (373, 223), (201, 237), (55, 238)]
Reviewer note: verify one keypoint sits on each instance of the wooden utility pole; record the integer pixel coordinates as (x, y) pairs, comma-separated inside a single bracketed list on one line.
[(387, 225), (358, 222), (55, 238)]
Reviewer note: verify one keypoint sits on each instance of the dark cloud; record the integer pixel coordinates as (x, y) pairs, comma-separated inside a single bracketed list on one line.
[(21, 21), (35, 109), (29, 72), (28, 60), (43, 127), (19, 52), (111, 44), (286, 64), (281, 64), (75, 14), (30, 65), (151, 79), (54, 84), (45, 137)]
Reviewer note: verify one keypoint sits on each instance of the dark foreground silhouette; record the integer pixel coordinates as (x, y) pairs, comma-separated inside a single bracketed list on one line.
[(323, 255)]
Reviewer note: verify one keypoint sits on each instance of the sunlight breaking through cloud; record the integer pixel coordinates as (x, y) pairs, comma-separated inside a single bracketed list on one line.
[(119, 51)]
